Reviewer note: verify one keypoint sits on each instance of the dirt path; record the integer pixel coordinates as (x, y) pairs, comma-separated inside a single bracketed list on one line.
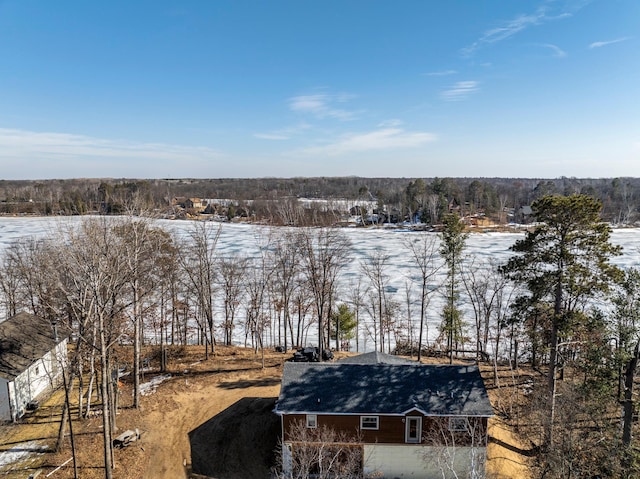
[(188, 402)]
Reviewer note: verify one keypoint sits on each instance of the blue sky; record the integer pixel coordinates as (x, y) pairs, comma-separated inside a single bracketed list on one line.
[(416, 88)]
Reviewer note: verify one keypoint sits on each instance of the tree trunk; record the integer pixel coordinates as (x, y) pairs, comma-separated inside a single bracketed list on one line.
[(629, 375), (552, 385), (106, 416), (136, 346)]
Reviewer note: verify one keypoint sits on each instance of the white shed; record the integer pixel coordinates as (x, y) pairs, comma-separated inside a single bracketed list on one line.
[(31, 361)]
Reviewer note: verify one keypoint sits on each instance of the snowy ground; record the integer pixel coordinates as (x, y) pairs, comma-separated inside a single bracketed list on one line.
[(18, 453), (151, 386)]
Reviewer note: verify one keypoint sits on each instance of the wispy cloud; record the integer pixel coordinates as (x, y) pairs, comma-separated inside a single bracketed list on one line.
[(460, 90), (22, 144), (322, 106), (381, 139), (441, 73), (392, 123), (270, 136), (283, 133), (609, 42), (548, 11), (557, 51)]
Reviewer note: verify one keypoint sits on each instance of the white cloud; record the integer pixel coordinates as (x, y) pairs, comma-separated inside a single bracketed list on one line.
[(608, 42), (460, 90), (392, 123), (322, 106), (283, 133), (557, 51), (270, 136), (546, 12), (441, 73), (28, 145), (382, 139)]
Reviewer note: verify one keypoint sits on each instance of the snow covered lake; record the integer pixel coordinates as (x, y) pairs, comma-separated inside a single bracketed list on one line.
[(245, 239)]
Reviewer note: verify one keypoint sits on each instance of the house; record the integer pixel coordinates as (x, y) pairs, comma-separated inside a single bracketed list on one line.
[(409, 420), (194, 204), (31, 360)]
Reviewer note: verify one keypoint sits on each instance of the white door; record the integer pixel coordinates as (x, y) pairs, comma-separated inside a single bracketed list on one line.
[(413, 429)]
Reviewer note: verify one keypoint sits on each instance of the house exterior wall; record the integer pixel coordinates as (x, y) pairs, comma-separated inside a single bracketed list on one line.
[(422, 462), (41, 375), (411, 461), (391, 429), (5, 405)]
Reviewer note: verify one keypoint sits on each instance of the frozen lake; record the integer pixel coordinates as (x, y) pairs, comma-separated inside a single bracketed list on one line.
[(244, 239)]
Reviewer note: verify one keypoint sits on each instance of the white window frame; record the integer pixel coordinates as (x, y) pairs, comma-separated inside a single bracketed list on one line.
[(312, 421), (458, 424), (369, 418)]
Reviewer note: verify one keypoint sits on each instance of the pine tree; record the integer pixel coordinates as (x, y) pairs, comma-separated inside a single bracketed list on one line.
[(453, 242), (561, 263)]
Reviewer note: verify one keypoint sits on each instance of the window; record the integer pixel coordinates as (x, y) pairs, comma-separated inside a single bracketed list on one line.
[(369, 422), (312, 421), (457, 424)]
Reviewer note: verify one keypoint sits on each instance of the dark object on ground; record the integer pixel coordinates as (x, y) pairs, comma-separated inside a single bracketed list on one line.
[(310, 355), (280, 349), (126, 438), (32, 405)]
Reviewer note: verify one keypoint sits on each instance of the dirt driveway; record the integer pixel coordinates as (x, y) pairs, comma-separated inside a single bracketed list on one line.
[(191, 405), (207, 416)]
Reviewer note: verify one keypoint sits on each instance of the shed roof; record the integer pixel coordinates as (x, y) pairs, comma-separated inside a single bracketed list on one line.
[(379, 388), (24, 338)]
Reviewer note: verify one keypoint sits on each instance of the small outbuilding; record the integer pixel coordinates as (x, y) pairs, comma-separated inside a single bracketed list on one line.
[(32, 359)]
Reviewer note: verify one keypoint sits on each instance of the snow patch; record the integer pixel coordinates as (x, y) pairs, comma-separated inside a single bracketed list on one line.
[(151, 386), (21, 452)]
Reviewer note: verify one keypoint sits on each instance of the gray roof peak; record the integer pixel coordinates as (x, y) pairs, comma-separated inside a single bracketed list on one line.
[(382, 388)]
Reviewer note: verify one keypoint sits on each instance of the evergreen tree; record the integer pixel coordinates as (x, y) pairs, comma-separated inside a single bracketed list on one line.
[(453, 242), (344, 322), (562, 263)]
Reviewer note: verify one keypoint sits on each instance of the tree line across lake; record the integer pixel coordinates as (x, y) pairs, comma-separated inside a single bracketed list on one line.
[(277, 200), (557, 304)]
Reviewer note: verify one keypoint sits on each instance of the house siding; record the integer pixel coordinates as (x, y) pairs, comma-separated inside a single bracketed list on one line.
[(31, 383), (391, 429), (5, 404), (421, 462)]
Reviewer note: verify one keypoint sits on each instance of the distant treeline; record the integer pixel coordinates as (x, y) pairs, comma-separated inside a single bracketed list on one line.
[(276, 200)]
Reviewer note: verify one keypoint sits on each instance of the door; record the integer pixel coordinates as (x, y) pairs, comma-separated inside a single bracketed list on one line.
[(413, 429)]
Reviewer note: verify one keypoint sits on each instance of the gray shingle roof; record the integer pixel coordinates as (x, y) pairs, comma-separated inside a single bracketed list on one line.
[(24, 338), (374, 357), (378, 388)]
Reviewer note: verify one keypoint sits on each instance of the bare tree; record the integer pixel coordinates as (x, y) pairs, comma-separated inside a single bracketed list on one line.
[(259, 273), (325, 252), (424, 251), (143, 245), (233, 272), (284, 256), (356, 298), (199, 267), (374, 267), (457, 447), (320, 452), (10, 284), (92, 276)]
